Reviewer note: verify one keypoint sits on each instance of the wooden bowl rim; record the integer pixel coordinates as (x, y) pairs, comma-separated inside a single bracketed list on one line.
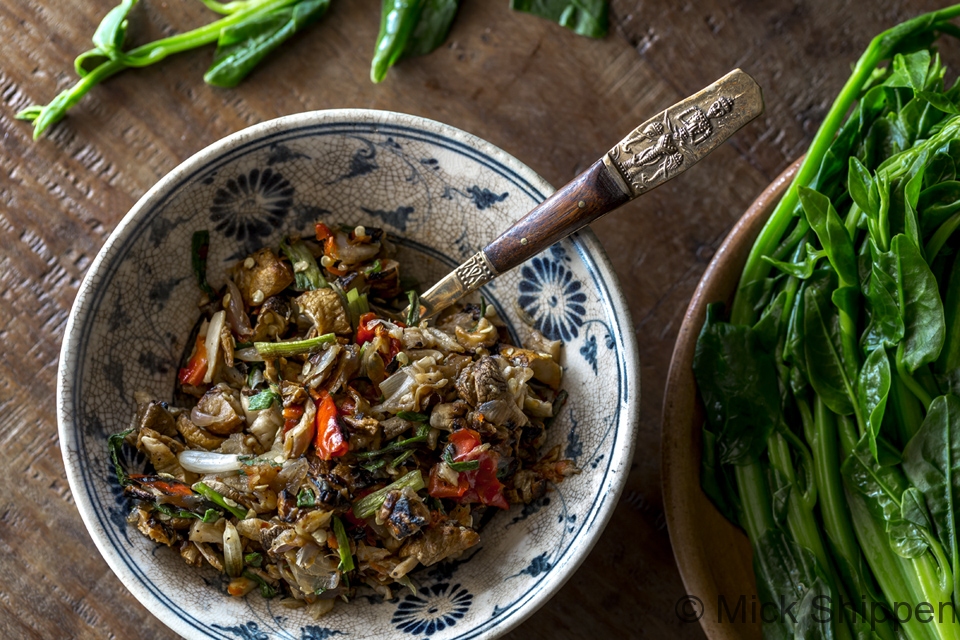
[(680, 443)]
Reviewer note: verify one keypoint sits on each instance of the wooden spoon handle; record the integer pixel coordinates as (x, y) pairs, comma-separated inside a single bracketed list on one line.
[(658, 150)]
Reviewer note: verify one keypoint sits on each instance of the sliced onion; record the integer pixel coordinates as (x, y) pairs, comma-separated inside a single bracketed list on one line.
[(209, 461), (213, 344), (248, 354), (395, 383), (236, 315), (501, 411), (232, 551)]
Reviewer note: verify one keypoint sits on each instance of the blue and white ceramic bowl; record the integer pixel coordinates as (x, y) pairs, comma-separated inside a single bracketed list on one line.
[(444, 194)]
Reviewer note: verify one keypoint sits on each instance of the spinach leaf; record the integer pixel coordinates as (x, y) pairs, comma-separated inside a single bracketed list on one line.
[(831, 232), (788, 572), (920, 305), (931, 460), (886, 320), (584, 17), (823, 353), (715, 481), (873, 387), (240, 47), (432, 27), (940, 168), (937, 203), (883, 487), (863, 188), (738, 383), (802, 269), (948, 362)]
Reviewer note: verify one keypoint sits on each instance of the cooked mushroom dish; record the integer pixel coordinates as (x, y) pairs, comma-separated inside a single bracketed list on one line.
[(332, 444)]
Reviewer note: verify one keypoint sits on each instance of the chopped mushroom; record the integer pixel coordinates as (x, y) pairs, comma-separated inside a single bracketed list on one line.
[(439, 542), (261, 276), (324, 309)]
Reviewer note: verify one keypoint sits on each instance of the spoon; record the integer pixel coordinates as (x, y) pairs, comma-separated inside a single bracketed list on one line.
[(658, 150)]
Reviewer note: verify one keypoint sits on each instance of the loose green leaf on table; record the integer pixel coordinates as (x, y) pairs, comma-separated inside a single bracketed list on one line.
[(242, 46), (410, 28), (585, 17)]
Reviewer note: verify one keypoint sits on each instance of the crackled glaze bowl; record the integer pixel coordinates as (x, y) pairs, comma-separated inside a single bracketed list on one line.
[(442, 194)]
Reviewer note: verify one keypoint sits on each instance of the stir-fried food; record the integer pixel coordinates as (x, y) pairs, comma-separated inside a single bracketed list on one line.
[(332, 444)]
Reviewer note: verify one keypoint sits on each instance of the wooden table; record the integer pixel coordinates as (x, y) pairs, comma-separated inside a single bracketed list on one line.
[(554, 100)]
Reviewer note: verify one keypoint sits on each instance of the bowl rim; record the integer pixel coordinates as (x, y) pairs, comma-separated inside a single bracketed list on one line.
[(680, 446), (589, 249)]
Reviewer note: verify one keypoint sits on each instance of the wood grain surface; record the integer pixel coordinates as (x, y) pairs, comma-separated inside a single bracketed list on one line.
[(555, 100)]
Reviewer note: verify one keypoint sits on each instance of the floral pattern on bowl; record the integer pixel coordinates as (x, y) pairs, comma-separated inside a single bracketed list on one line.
[(442, 194)]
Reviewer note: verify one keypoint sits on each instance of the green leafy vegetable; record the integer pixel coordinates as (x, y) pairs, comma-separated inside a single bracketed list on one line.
[(219, 500), (115, 444), (410, 28), (585, 17), (263, 400), (306, 274), (368, 505), (412, 416), (241, 47), (254, 559), (306, 498), (253, 23), (848, 481)]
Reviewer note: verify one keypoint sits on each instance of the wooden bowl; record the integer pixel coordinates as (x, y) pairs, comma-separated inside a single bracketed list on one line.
[(713, 555)]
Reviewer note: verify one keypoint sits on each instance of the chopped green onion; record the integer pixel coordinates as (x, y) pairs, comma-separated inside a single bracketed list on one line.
[(292, 347), (400, 459), (413, 313), (266, 590), (398, 445), (114, 444), (211, 515), (368, 505), (483, 307), (199, 247), (253, 559), (263, 400), (376, 267), (306, 273), (466, 465), (306, 498), (343, 544), (219, 500), (412, 416), (357, 305)]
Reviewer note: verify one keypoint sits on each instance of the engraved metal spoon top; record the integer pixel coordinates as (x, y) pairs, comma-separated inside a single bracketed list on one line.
[(658, 150)]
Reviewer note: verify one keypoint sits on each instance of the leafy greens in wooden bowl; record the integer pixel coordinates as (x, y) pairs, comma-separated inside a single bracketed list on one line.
[(832, 394)]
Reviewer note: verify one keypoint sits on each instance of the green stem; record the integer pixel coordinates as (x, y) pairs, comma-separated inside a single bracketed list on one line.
[(757, 517), (833, 506), (910, 382), (141, 56)]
